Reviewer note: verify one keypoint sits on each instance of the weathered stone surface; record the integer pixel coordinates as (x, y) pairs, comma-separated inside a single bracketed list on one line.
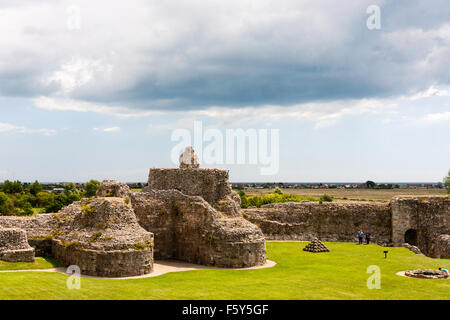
[(188, 228), (14, 246), (211, 184), (428, 217), (316, 246), (103, 238), (412, 248), (442, 246), (329, 221), (427, 274), (37, 227), (112, 188), (188, 159)]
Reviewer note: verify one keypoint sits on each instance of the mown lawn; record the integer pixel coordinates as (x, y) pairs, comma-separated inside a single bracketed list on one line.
[(340, 274)]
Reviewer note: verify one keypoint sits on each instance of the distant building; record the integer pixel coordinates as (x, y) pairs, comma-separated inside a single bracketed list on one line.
[(58, 190)]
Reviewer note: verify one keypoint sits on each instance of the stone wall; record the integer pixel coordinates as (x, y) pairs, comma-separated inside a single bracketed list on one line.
[(102, 236), (14, 246), (39, 226), (428, 217), (442, 247), (211, 184), (328, 221), (188, 228), (115, 263)]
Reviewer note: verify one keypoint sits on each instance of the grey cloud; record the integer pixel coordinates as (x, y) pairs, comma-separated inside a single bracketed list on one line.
[(191, 54)]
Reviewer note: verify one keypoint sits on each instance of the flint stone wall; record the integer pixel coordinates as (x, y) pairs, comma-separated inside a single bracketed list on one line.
[(442, 247), (112, 188), (14, 246), (211, 184), (328, 221), (117, 263), (188, 228), (39, 226), (429, 216)]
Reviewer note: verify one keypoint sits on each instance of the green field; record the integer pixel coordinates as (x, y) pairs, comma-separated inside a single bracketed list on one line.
[(339, 274), (379, 195)]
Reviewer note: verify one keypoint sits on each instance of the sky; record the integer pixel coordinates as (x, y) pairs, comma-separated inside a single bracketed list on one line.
[(96, 90)]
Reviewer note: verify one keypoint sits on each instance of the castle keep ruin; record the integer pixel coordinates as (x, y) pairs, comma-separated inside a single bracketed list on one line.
[(190, 214)]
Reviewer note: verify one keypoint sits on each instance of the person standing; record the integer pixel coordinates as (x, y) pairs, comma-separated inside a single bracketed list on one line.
[(360, 236), (368, 235)]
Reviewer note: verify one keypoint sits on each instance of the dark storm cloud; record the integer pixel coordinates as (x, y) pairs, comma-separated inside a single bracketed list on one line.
[(190, 55)]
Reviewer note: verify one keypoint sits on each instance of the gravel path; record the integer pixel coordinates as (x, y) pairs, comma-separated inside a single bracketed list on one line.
[(160, 267)]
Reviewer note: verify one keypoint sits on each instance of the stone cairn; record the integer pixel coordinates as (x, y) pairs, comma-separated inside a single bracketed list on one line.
[(316, 246)]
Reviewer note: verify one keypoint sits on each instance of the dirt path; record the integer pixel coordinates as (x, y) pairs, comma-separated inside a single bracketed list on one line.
[(160, 267)]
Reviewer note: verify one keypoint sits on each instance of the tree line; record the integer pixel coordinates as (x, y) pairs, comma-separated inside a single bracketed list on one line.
[(22, 199)]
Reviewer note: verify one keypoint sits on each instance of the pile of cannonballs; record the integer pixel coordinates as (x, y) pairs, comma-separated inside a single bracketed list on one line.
[(316, 246)]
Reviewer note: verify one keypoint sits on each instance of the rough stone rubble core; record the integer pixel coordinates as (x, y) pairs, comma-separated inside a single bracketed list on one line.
[(14, 246), (316, 246)]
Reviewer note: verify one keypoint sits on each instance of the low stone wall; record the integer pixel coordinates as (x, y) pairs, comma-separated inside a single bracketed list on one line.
[(328, 221), (118, 263), (14, 246)]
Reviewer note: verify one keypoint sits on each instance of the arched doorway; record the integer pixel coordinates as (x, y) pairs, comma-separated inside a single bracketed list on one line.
[(411, 237)]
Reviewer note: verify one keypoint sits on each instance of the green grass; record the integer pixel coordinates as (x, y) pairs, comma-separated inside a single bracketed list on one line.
[(38, 210), (339, 274), (40, 263)]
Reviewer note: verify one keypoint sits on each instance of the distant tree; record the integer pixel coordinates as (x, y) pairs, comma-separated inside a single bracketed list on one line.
[(6, 205), (12, 187), (70, 187), (43, 199), (370, 184), (326, 198), (35, 188), (241, 193), (25, 208), (277, 191), (447, 182), (91, 187)]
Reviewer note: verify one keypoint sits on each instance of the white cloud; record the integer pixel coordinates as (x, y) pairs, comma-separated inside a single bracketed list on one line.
[(79, 72), (59, 104), (322, 114), (437, 117), (8, 127), (112, 129)]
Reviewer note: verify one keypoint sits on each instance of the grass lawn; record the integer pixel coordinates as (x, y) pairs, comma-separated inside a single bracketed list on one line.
[(339, 274), (40, 263)]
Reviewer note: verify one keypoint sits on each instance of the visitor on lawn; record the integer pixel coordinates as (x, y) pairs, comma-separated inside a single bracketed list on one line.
[(360, 236), (368, 235), (445, 270)]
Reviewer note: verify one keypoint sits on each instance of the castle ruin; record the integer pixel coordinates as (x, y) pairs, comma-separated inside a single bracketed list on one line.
[(191, 214)]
